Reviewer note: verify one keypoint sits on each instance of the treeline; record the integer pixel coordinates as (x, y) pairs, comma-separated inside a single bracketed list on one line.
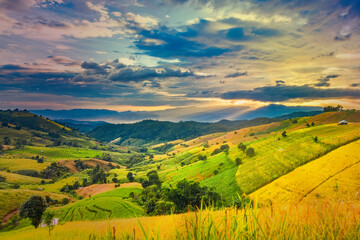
[(151, 131), (185, 196)]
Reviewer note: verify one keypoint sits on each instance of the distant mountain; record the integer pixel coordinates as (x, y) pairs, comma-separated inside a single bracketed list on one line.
[(150, 131), (82, 126), (95, 114), (275, 110), (199, 114), (299, 114)]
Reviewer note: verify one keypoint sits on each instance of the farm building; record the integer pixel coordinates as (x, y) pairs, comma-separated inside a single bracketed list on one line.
[(343, 122)]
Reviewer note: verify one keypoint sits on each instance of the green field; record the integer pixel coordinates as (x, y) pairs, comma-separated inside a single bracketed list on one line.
[(106, 205), (55, 153)]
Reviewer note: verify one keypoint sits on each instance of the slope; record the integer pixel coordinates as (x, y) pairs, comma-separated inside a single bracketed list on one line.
[(334, 176)]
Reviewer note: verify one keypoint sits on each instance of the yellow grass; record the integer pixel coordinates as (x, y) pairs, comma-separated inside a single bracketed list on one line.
[(322, 221), (333, 176), (20, 179), (14, 164)]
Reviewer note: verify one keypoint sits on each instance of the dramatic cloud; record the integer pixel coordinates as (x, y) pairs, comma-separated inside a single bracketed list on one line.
[(237, 74), (281, 93), (135, 75), (325, 81)]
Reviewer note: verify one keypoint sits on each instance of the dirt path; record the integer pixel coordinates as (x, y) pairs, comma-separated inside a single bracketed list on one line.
[(6, 218), (100, 188)]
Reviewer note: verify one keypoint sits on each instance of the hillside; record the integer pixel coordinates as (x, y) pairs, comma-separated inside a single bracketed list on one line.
[(96, 177), (334, 176), (150, 131)]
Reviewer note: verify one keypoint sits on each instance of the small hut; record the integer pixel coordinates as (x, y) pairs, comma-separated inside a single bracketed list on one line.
[(343, 122)]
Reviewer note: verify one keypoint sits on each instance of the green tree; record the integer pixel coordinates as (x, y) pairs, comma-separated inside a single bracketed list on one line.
[(33, 208), (284, 134), (130, 176), (242, 147), (48, 220), (250, 152), (238, 161), (7, 141)]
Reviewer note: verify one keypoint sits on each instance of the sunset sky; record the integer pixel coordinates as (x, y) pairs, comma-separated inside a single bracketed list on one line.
[(186, 56)]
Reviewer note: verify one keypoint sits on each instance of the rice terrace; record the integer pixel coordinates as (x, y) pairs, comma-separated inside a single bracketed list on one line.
[(179, 119)]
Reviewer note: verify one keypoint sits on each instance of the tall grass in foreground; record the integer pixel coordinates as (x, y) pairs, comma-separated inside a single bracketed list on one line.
[(321, 221)]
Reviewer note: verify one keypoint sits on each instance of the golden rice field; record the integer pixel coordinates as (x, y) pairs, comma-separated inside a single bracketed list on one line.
[(20, 179), (320, 221), (334, 176), (275, 155), (14, 164)]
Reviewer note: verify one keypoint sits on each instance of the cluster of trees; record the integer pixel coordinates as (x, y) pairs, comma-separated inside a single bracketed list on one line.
[(134, 159), (98, 175), (68, 188), (54, 171), (80, 165), (223, 148), (164, 148), (187, 195), (38, 159), (333, 109), (249, 151)]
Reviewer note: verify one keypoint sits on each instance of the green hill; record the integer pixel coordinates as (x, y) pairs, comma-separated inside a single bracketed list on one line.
[(151, 131)]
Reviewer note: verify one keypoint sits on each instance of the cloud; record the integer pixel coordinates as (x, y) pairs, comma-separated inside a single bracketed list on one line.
[(66, 61), (237, 74), (280, 93), (342, 37), (16, 5), (141, 74), (171, 44), (324, 81)]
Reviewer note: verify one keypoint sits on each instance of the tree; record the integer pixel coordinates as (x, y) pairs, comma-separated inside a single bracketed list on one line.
[(2, 179), (316, 139), (250, 152), (33, 208), (238, 161), (284, 134), (114, 180), (7, 141), (242, 147), (312, 124), (1, 147), (48, 220), (130, 176)]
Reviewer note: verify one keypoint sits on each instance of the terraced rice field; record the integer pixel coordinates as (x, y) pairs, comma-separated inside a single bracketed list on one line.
[(108, 205), (275, 156), (334, 176)]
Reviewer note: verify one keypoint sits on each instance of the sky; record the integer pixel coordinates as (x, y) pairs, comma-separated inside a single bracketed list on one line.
[(179, 56)]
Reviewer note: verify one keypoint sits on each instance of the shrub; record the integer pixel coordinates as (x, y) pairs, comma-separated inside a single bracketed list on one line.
[(250, 152), (242, 147), (238, 161), (216, 151), (65, 201)]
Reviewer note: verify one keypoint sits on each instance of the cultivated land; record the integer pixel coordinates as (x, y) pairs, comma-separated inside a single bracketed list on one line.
[(315, 162)]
